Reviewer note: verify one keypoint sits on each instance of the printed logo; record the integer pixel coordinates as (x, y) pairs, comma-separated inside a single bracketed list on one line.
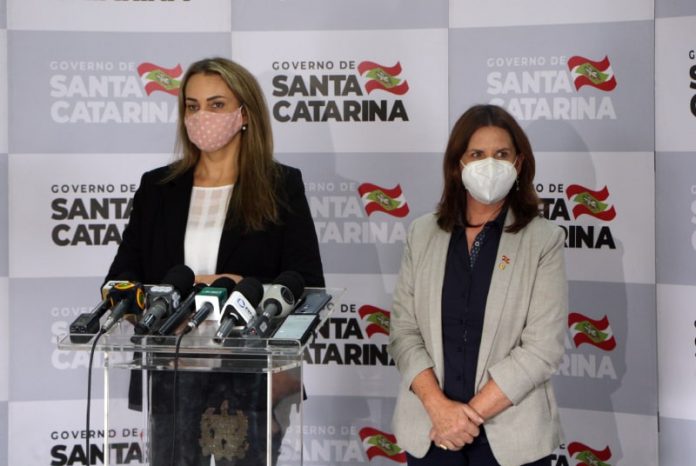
[(588, 456), (378, 319), (125, 446), (342, 217), (583, 363), (328, 90), (594, 332), (383, 78), (555, 207), (112, 92), (86, 214), (378, 199), (378, 443), (590, 202), (547, 87), (692, 84), (354, 340), (591, 73), (155, 78)]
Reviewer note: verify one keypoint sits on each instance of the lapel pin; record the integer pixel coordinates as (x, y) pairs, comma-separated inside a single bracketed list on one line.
[(505, 260)]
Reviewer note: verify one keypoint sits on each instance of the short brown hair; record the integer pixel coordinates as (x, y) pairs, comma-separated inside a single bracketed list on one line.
[(254, 198), (522, 199)]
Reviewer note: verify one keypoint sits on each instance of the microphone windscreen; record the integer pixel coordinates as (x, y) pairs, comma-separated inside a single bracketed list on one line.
[(251, 289), (293, 281), (180, 277), (224, 282)]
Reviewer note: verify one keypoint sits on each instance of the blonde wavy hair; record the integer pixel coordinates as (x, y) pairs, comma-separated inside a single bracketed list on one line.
[(254, 202)]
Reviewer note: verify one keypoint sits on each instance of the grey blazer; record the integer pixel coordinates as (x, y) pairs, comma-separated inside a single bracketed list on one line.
[(521, 343)]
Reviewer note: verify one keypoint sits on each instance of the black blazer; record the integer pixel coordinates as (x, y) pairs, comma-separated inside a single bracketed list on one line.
[(153, 241)]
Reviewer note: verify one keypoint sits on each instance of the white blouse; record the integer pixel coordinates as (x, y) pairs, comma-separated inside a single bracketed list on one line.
[(206, 219)]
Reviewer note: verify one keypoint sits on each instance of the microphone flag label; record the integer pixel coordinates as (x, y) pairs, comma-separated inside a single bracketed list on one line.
[(214, 296), (378, 319), (589, 456), (243, 306), (591, 73), (378, 199), (590, 202), (595, 332), (383, 78), (378, 443), (156, 78)]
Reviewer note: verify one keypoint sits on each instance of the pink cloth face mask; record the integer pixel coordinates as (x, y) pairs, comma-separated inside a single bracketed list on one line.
[(211, 131)]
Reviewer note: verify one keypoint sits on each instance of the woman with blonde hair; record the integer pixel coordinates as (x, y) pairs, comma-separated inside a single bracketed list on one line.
[(225, 207)]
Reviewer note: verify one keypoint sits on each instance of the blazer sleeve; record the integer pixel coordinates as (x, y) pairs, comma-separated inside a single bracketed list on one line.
[(540, 350), (406, 344), (128, 259), (300, 246)]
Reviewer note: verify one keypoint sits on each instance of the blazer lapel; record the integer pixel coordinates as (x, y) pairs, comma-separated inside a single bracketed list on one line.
[(500, 281), (438, 260)]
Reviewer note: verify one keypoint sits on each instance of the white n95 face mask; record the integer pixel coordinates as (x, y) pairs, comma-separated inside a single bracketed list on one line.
[(489, 180)]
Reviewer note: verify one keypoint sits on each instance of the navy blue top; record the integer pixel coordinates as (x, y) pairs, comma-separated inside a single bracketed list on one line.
[(464, 294)]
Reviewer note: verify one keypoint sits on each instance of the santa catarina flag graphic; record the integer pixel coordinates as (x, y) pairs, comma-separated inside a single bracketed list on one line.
[(378, 443), (378, 199), (590, 202), (378, 319), (155, 78), (597, 74), (383, 77), (589, 456), (594, 332)]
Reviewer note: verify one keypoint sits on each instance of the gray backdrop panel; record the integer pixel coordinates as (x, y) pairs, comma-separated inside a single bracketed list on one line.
[(3, 216), (630, 310), (625, 44), (677, 446), (675, 217), (42, 309), (332, 172), (280, 15), (4, 451), (665, 8), (34, 54)]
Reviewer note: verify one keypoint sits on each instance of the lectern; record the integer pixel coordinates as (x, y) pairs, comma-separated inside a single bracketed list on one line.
[(231, 402)]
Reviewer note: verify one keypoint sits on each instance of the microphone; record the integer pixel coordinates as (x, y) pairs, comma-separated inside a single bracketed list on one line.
[(87, 323), (210, 300), (280, 298), (178, 316), (165, 298), (240, 309), (127, 298)]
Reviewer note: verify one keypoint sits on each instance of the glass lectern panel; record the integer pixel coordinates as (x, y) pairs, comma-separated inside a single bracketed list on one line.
[(232, 401)]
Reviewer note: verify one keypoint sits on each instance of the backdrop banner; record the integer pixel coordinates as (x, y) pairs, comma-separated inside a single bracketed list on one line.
[(362, 96)]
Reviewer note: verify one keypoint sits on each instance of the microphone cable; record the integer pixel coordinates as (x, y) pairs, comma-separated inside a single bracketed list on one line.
[(175, 396), (89, 393)]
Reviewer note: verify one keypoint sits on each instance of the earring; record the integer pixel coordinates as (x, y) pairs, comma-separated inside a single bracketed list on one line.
[(244, 127), (517, 182)]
